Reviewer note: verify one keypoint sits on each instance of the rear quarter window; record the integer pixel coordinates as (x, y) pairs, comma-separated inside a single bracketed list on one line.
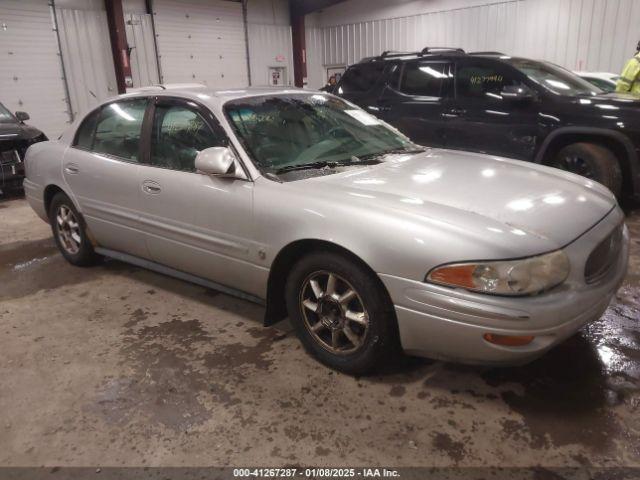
[(85, 133)]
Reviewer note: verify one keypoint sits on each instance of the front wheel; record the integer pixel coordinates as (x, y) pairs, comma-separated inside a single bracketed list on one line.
[(341, 313), (592, 161), (69, 232)]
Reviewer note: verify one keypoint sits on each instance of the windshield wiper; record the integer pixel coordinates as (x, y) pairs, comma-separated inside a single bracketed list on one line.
[(306, 166), (384, 153), (325, 164)]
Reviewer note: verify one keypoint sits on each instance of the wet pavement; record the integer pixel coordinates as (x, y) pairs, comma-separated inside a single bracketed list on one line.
[(115, 365)]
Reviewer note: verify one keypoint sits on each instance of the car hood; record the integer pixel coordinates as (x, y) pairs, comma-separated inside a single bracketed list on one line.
[(607, 102), (14, 131), (534, 207), (613, 97)]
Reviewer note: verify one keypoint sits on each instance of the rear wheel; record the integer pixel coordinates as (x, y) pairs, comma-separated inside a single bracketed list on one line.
[(69, 232), (592, 161), (341, 313)]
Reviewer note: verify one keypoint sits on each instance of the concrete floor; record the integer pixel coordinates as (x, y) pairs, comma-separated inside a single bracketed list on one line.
[(114, 365)]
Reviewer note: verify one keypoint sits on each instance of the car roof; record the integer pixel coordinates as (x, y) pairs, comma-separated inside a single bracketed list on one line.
[(199, 90), (212, 96)]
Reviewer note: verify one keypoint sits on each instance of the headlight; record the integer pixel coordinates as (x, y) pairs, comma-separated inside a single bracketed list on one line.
[(38, 138), (527, 276)]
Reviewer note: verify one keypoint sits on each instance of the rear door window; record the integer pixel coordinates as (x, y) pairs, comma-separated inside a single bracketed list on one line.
[(118, 129), (425, 79), (361, 78)]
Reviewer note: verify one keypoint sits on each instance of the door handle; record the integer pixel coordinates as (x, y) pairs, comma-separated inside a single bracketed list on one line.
[(71, 168), (151, 187), (379, 108), (454, 112)]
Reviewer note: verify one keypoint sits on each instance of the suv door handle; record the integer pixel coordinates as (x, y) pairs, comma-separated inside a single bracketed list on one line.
[(71, 168), (454, 112), (151, 187), (381, 107)]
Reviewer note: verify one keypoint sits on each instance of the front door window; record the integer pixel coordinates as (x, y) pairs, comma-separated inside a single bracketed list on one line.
[(178, 134)]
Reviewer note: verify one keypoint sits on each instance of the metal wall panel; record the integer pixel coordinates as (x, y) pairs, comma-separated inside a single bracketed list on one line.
[(596, 35), (87, 56), (144, 63), (269, 46), (314, 46), (31, 72), (201, 41)]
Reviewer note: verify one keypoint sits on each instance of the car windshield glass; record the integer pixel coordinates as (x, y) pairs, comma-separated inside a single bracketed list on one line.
[(554, 78), (282, 132), (5, 115)]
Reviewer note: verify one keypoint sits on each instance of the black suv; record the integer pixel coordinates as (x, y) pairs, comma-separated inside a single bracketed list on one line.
[(514, 107), (15, 138)]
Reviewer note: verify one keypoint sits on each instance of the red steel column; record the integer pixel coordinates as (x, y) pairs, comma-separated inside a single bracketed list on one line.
[(119, 46), (299, 48)]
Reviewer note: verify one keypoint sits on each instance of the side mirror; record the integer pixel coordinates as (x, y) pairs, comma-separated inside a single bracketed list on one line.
[(218, 161), (22, 116), (517, 93)]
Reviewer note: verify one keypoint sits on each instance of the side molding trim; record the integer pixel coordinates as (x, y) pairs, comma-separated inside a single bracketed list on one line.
[(187, 277)]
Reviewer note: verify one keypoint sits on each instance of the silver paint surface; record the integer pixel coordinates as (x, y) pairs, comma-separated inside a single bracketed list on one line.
[(402, 217)]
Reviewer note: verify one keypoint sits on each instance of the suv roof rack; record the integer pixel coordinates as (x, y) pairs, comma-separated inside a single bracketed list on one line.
[(425, 51), (487, 53), (393, 53), (428, 50)]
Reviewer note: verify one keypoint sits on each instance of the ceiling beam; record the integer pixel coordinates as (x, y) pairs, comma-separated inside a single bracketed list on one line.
[(304, 7)]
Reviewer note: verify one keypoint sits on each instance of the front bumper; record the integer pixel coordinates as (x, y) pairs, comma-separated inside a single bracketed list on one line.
[(449, 324), (11, 175)]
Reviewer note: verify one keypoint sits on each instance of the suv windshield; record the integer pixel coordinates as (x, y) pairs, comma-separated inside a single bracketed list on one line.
[(5, 115), (554, 78), (296, 131)]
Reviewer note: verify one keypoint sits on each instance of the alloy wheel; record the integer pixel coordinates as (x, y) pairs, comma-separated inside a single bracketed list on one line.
[(333, 312), (68, 229)]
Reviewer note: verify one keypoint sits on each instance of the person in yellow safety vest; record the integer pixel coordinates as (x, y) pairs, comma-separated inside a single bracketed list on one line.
[(630, 79)]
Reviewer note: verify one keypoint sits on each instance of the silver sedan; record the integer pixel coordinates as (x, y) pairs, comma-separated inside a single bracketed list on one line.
[(311, 206)]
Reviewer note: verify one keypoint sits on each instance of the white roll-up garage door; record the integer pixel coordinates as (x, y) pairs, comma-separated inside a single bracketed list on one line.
[(30, 70), (201, 41), (88, 61)]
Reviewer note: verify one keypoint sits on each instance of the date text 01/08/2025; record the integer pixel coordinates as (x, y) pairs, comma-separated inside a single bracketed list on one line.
[(315, 472)]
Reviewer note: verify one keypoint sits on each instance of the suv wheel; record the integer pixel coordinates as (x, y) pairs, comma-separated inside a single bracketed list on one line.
[(340, 313), (592, 161), (69, 232)]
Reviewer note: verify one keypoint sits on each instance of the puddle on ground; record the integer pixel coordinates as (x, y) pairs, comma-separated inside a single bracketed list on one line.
[(29, 267), (178, 373), (163, 387), (16, 255)]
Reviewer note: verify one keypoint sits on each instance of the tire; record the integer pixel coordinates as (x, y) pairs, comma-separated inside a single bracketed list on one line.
[(592, 161), (69, 232), (367, 316)]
